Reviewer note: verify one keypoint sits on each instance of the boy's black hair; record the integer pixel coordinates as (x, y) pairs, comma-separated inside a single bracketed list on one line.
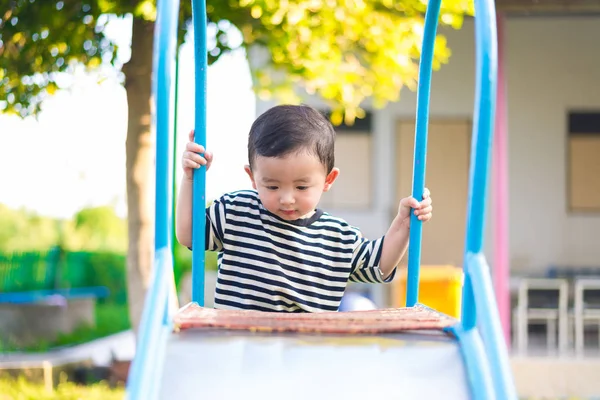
[(288, 128)]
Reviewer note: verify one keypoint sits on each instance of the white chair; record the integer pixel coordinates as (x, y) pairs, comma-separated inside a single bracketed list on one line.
[(584, 313), (551, 313)]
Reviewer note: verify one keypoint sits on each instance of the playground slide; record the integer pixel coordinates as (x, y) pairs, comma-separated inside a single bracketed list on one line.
[(465, 360), (246, 365)]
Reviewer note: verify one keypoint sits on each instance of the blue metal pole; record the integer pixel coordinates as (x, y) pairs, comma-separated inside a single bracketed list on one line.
[(163, 90), (478, 291), (420, 157), (146, 366), (488, 323), (199, 185), (174, 156), (486, 49)]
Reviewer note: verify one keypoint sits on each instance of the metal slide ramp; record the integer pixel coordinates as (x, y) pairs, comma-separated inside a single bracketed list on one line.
[(394, 353), (219, 364)]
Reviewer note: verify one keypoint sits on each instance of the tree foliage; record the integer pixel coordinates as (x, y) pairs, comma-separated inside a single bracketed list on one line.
[(91, 229), (21, 230), (41, 39), (345, 51), (100, 228)]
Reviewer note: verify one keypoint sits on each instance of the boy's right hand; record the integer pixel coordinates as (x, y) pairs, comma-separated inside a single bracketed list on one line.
[(194, 156)]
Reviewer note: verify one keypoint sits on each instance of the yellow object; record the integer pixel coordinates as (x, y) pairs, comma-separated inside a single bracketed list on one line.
[(440, 288)]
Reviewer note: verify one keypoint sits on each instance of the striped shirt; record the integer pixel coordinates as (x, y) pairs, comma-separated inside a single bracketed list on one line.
[(269, 264)]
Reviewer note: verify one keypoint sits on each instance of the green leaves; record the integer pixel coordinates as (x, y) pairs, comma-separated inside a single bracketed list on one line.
[(42, 39), (90, 229), (146, 9), (345, 51)]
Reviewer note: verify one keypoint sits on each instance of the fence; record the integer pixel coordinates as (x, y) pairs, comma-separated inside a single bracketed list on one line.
[(56, 269)]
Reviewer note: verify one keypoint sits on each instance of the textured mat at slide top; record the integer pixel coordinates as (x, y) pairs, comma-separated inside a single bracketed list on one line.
[(387, 320)]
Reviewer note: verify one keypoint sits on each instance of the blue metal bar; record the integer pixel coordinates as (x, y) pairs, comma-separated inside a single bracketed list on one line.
[(38, 296), (468, 306), (490, 327), (154, 325), (479, 310), (174, 159), (146, 366), (163, 88), (486, 49), (420, 157), (35, 296), (199, 185), (476, 364)]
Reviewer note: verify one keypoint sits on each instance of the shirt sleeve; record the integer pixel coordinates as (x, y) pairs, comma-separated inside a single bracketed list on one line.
[(365, 261), (215, 225)]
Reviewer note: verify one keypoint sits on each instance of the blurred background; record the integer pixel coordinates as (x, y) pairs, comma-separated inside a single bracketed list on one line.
[(77, 151)]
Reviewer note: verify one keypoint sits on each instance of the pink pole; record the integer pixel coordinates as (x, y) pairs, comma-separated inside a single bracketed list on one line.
[(501, 271)]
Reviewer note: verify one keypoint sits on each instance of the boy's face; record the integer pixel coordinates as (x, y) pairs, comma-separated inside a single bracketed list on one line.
[(291, 186)]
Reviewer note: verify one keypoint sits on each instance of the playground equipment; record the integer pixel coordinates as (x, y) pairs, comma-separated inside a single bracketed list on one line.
[(414, 352), (440, 287)]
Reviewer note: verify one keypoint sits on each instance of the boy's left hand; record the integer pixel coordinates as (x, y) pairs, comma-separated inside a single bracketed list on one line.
[(423, 209)]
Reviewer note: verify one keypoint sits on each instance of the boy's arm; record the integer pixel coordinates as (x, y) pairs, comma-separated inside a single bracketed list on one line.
[(394, 247), (183, 218), (214, 214), (193, 158), (396, 238)]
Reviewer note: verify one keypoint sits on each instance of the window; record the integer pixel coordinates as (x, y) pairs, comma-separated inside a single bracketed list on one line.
[(583, 162), (448, 160)]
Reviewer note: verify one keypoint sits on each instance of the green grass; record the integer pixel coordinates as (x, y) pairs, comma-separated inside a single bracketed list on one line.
[(21, 389), (110, 319)]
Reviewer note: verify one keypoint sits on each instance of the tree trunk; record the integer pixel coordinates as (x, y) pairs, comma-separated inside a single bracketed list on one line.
[(140, 168)]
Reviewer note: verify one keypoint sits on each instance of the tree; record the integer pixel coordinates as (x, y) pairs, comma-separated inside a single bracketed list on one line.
[(25, 231), (343, 51), (100, 228)]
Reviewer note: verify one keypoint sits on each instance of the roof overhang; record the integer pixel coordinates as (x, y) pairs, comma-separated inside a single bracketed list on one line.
[(549, 7)]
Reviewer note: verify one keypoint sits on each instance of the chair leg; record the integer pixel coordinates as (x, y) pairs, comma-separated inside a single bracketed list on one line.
[(551, 335), (579, 321), (571, 331), (599, 334), (563, 333), (578, 334), (515, 333), (523, 327)]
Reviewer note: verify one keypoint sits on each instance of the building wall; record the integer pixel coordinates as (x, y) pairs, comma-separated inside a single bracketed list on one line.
[(551, 67)]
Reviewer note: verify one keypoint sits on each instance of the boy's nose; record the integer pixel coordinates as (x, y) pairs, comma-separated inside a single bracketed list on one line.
[(286, 198)]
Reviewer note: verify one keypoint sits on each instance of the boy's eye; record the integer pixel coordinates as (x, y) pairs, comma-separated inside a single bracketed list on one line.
[(302, 187), (271, 187)]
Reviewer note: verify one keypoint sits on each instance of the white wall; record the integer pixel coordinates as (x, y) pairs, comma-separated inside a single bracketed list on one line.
[(552, 66)]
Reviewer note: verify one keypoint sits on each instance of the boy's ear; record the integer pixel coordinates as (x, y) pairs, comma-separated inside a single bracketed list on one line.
[(331, 178), (251, 175)]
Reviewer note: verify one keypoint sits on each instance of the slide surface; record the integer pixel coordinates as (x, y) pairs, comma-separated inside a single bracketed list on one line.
[(220, 364)]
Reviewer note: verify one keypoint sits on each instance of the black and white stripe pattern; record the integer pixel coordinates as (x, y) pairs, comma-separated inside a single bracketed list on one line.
[(269, 264)]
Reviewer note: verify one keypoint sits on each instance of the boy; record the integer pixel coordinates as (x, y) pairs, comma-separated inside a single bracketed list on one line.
[(277, 250)]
